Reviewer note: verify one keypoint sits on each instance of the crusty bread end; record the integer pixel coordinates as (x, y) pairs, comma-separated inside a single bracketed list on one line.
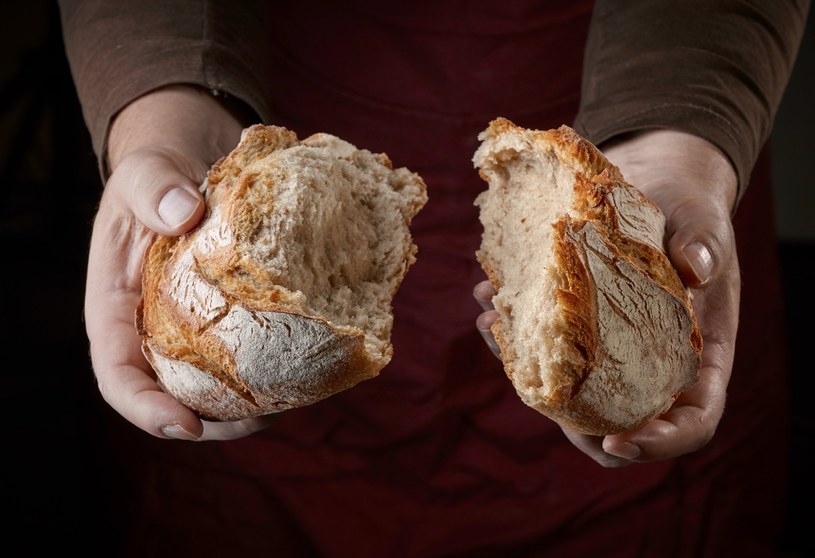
[(595, 328), (282, 295)]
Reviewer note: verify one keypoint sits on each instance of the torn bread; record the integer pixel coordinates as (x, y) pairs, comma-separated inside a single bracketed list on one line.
[(595, 328), (282, 295)]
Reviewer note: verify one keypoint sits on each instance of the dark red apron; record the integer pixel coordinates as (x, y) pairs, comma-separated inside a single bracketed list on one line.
[(438, 456)]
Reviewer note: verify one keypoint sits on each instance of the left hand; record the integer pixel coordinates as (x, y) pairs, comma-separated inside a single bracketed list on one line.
[(695, 186)]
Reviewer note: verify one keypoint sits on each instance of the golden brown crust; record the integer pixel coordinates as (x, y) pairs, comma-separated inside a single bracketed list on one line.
[(224, 321), (577, 299), (623, 338)]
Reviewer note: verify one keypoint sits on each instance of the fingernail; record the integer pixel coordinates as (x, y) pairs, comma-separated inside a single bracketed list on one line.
[(699, 259), (627, 451), (177, 432), (177, 206)]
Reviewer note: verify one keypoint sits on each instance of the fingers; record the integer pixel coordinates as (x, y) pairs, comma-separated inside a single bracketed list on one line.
[(592, 446), (484, 324), (123, 375), (687, 427), (238, 429), (139, 400), (483, 293), (113, 290), (692, 420)]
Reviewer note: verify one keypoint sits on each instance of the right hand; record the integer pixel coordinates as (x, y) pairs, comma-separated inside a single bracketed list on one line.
[(159, 150)]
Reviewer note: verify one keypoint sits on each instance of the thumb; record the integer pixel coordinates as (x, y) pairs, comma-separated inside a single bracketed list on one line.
[(699, 241), (157, 187)]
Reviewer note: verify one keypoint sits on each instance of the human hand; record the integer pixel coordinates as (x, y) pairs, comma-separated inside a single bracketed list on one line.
[(695, 186), (160, 149)]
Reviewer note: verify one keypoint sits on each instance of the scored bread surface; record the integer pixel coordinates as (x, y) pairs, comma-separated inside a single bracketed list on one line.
[(595, 328), (282, 295)]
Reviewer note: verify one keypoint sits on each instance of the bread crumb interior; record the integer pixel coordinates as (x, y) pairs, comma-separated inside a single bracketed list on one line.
[(351, 213), (528, 191)]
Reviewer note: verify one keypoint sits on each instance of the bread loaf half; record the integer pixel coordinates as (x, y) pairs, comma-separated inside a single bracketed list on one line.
[(282, 295), (596, 330)]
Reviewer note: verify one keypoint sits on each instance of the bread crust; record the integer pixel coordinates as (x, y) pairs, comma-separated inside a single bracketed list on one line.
[(226, 331), (625, 333)]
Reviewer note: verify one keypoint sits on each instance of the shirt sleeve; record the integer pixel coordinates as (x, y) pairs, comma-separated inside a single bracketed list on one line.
[(118, 50), (713, 68)]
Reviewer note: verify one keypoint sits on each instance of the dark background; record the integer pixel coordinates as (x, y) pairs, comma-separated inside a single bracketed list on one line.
[(60, 477)]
